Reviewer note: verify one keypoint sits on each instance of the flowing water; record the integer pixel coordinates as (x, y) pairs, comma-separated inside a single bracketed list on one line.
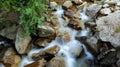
[(68, 49)]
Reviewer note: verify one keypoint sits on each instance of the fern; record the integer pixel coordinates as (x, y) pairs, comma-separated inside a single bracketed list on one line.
[(32, 12)]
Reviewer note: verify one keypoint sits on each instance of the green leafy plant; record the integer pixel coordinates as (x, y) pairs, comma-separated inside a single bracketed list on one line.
[(32, 12)]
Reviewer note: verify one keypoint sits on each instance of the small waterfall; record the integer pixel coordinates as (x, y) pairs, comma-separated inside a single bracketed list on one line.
[(67, 48)]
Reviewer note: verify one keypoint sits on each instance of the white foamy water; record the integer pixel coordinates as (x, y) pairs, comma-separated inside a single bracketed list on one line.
[(1, 65), (25, 61), (68, 49), (84, 17)]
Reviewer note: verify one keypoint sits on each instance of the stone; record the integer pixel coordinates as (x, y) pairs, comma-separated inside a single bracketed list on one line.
[(47, 53), (92, 10), (105, 11), (46, 31), (9, 32), (72, 13), (60, 2), (53, 5), (56, 62), (22, 43), (109, 28), (76, 24), (77, 1), (67, 4), (111, 1), (52, 50), (107, 58), (118, 63), (40, 63), (41, 42), (11, 58), (69, 13)]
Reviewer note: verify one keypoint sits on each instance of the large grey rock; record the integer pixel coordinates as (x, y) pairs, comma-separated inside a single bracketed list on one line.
[(22, 43), (93, 9), (109, 28)]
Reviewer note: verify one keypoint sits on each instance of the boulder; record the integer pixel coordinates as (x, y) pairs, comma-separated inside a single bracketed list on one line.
[(77, 1), (41, 42), (67, 4), (11, 58), (76, 24), (40, 63), (9, 32), (53, 5), (47, 53), (56, 62), (93, 9), (46, 31), (64, 33), (22, 43), (109, 28)]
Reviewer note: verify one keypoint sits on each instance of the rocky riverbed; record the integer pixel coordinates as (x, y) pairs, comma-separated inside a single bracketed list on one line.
[(79, 33)]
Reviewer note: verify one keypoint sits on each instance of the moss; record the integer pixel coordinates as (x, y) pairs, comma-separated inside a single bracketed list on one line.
[(117, 29)]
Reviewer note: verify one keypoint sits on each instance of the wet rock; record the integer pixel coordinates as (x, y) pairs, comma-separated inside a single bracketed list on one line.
[(60, 2), (90, 43), (56, 62), (76, 24), (105, 11), (10, 58), (107, 58), (64, 33), (41, 42), (22, 43), (109, 28), (9, 32), (47, 53), (52, 50), (77, 1), (67, 4), (70, 13), (118, 63), (40, 63), (92, 10), (53, 5), (46, 31), (111, 1)]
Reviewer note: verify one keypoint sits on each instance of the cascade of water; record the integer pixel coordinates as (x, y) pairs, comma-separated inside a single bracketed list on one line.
[(67, 48)]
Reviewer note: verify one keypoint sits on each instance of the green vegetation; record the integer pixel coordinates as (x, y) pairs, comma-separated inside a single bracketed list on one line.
[(32, 12)]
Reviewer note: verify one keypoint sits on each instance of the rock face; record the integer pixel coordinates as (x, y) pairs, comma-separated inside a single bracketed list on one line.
[(40, 63), (109, 28), (22, 43), (11, 58), (93, 9), (56, 62)]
